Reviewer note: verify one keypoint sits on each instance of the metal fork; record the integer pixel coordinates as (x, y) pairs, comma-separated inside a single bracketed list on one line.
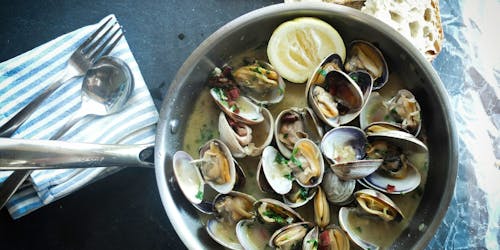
[(79, 62)]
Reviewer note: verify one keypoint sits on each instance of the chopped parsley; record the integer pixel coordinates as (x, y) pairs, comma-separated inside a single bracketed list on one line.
[(314, 243), (280, 159), (256, 70), (359, 229), (303, 193), (288, 176), (222, 96), (206, 134), (354, 78), (199, 195), (276, 217), (285, 135), (295, 160)]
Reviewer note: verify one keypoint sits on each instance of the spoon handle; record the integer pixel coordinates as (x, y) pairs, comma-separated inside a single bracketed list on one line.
[(70, 123), (24, 154)]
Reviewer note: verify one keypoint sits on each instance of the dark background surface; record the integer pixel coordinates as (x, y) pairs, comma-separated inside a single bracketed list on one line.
[(124, 210)]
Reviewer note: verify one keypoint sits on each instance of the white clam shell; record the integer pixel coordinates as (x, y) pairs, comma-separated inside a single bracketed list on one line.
[(274, 172), (225, 187), (354, 91), (188, 177), (310, 122), (249, 112), (223, 234), (262, 134), (344, 214), (253, 235)]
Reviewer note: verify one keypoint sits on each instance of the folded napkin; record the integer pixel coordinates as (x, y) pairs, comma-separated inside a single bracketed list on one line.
[(26, 76)]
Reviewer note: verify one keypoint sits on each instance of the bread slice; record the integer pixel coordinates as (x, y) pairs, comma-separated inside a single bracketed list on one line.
[(418, 20)]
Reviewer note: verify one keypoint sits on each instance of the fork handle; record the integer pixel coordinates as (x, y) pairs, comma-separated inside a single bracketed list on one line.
[(11, 184), (15, 122)]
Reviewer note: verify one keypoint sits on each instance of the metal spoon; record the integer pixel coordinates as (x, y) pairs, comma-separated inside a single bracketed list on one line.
[(106, 87)]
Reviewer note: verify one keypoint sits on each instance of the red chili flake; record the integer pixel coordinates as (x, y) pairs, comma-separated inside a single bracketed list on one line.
[(233, 93), (390, 188)]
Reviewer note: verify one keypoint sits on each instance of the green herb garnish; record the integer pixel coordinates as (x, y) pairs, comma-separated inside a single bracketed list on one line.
[(276, 217), (288, 176), (303, 193), (280, 159), (285, 135), (314, 243), (359, 229), (295, 160), (199, 195), (256, 70)]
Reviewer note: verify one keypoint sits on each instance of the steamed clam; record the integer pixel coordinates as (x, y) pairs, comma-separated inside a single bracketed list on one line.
[(215, 167), (344, 147), (402, 110), (246, 140), (229, 210), (364, 56), (334, 96), (260, 82), (290, 236), (397, 174), (378, 157), (294, 124), (275, 212)]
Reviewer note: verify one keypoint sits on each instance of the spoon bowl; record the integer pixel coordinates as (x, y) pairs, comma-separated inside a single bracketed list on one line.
[(106, 87)]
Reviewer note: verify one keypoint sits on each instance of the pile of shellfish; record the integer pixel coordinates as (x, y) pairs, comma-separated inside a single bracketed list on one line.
[(310, 154)]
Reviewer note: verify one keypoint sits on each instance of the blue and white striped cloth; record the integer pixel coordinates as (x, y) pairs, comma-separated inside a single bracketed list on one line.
[(26, 76)]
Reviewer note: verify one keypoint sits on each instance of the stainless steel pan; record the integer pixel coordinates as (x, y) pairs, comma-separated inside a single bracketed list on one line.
[(247, 32), (255, 28)]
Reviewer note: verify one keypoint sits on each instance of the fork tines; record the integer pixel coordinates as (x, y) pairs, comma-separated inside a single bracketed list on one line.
[(102, 42)]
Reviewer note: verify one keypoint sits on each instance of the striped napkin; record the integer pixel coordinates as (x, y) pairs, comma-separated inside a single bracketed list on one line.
[(26, 76)]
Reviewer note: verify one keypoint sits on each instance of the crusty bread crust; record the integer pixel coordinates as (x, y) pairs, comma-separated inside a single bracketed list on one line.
[(431, 54), (430, 50)]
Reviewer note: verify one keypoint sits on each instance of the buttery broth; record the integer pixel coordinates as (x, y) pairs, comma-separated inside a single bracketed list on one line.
[(203, 125)]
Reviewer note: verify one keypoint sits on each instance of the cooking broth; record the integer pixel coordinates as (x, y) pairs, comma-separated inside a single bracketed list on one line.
[(203, 126)]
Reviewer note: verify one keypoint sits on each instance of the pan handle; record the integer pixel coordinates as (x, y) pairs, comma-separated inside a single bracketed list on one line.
[(23, 154)]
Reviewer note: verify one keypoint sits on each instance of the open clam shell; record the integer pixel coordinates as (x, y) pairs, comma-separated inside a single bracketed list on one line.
[(233, 207), (376, 203), (344, 147), (336, 101), (243, 109), (298, 196), (223, 233), (403, 110), (294, 124), (246, 140), (344, 214), (253, 235), (311, 240), (275, 212), (290, 235), (408, 177), (307, 163), (260, 82), (217, 166), (273, 167), (364, 56), (381, 127), (188, 177)]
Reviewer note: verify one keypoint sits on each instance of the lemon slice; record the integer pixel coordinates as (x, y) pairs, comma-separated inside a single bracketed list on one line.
[(298, 46)]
